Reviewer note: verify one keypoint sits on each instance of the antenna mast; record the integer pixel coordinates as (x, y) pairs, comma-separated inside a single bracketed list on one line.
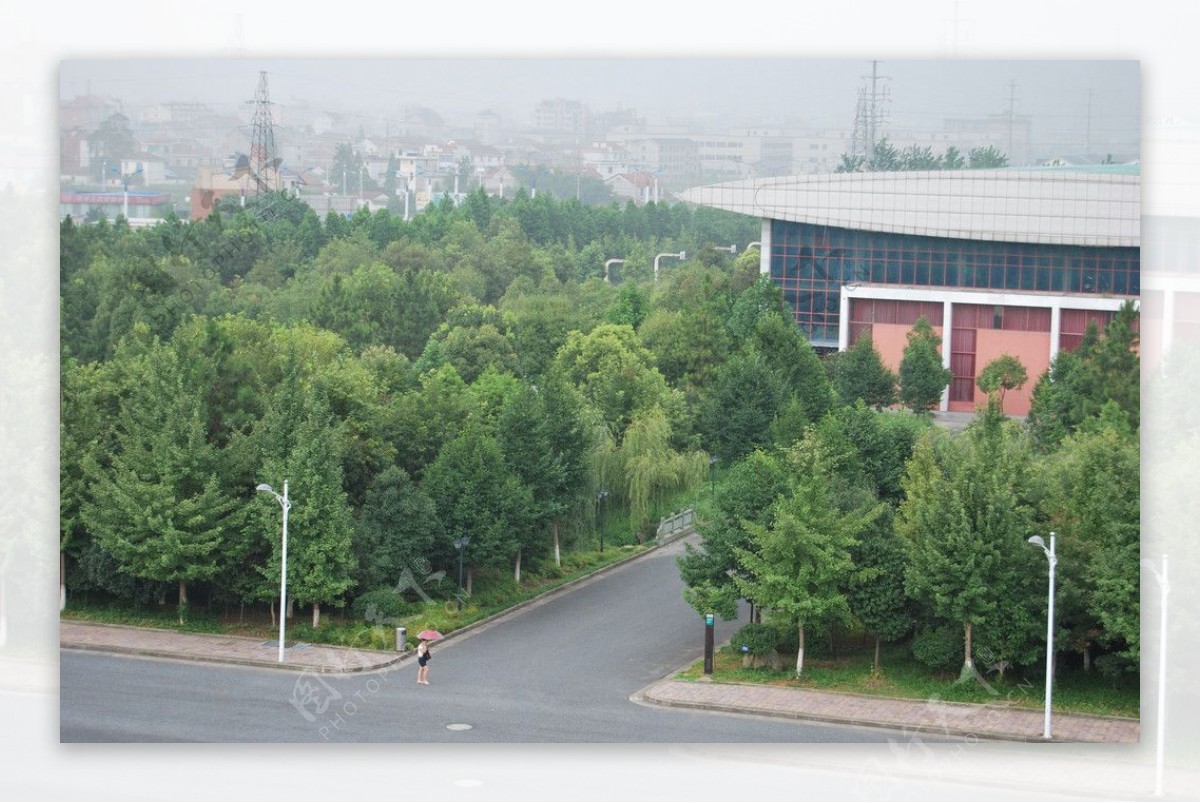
[(262, 141)]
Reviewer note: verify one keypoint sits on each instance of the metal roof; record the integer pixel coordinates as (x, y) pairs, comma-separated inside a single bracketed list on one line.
[(1049, 206)]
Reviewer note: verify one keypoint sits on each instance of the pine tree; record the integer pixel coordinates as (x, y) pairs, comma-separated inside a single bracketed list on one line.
[(922, 375)]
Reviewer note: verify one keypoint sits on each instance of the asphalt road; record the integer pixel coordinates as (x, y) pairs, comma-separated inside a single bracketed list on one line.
[(559, 671)]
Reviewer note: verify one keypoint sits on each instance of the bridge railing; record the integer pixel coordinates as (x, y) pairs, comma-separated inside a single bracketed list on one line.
[(676, 525)]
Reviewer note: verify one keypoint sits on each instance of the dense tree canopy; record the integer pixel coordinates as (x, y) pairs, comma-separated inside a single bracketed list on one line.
[(470, 372)]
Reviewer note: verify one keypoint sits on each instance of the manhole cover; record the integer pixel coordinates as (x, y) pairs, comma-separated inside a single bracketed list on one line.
[(458, 726)]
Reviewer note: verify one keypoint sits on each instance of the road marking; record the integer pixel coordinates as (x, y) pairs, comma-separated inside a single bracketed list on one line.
[(458, 726)]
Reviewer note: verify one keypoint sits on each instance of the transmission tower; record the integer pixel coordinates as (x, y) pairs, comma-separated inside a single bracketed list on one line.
[(264, 164), (869, 114)]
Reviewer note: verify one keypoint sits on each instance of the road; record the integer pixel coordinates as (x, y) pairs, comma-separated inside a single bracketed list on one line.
[(562, 670)]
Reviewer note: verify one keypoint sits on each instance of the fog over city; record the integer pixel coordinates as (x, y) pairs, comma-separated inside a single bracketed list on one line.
[(1069, 102)]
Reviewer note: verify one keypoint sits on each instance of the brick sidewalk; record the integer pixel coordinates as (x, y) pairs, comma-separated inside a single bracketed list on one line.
[(239, 650), (932, 718)]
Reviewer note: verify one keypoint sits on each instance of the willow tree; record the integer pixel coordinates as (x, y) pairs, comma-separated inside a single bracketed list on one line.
[(644, 470)]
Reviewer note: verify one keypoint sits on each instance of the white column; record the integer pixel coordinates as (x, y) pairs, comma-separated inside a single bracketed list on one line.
[(844, 319), (1168, 322), (947, 336), (1055, 327), (764, 249)]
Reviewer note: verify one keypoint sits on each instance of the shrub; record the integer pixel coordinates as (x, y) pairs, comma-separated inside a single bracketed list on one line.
[(380, 606), (939, 647), (758, 639)]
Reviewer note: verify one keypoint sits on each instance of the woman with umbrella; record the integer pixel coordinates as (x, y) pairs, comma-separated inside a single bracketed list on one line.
[(423, 654)]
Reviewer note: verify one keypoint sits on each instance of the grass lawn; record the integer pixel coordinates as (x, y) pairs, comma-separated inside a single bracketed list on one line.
[(901, 676)]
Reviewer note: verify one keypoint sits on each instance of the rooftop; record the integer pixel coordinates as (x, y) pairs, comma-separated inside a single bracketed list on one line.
[(1093, 206)]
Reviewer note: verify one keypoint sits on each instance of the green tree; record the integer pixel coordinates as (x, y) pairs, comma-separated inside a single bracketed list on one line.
[(157, 506), (801, 560), (614, 372), (1001, 375), (859, 373), (736, 416), (965, 519), (747, 493), (988, 157), (786, 351), (1077, 384), (396, 529), (542, 436), (922, 375), (1094, 502), (476, 496), (298, 441), (875, 592)]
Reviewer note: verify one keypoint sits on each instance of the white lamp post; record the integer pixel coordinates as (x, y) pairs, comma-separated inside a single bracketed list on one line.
[(608, 264), (286, 505), (1053, 559), (680, 255)]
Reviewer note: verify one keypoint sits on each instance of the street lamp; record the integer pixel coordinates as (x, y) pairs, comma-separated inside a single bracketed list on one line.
[(461, 545), (600, 497), (608, 264), (680, 255), (730, 248), (1052, 558), (286, 505)]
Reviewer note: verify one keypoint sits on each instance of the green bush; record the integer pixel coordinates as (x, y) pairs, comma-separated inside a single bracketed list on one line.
[(758, 639), (379, 606), (939, 647)]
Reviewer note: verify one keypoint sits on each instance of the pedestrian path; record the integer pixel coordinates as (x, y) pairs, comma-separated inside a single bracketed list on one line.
[(237, 650), (930, 717)]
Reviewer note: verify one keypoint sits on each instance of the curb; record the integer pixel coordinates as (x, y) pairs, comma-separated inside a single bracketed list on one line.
[(286, 667), (647, 695)]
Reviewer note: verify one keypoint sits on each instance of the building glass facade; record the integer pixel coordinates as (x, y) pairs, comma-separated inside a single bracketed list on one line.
[(811, 262)]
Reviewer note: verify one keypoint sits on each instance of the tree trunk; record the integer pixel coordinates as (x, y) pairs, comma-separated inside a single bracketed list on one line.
[(1087, 657), (877, 640), (291, 606), (968, 662), (271, 605), (316, 615), (800, 651), (62, 581), (517, 569), (557, 554), (183, 601), (468, 581)]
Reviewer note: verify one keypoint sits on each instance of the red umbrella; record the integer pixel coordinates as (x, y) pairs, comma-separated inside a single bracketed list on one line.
[(429, 635)]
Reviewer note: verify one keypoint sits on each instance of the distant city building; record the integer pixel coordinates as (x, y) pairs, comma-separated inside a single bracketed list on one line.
[(998, 261), (86, 112), (640, 188), (488, 127), (559, 116), (139, 208), (74, 154)]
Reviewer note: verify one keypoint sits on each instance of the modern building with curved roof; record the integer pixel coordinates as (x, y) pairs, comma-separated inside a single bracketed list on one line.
[(1015, 261)]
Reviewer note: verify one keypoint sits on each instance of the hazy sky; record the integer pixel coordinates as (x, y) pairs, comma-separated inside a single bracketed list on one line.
[(821, 93)]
